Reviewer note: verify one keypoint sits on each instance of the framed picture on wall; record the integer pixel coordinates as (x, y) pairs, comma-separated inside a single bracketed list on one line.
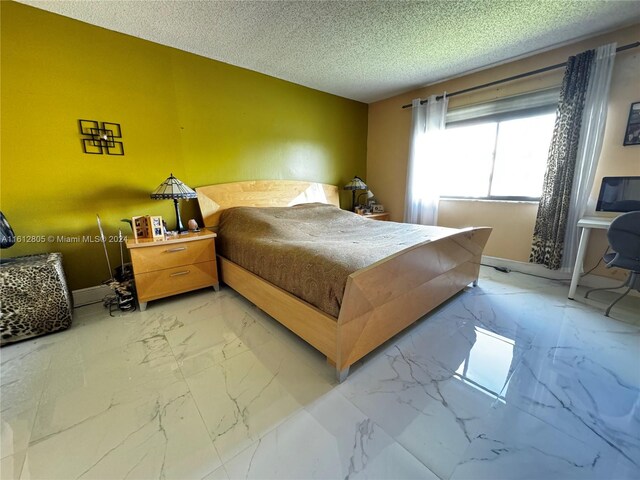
[(632, 135)]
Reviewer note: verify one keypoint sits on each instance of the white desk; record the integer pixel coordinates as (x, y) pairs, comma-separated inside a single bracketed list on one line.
[(586, 223)]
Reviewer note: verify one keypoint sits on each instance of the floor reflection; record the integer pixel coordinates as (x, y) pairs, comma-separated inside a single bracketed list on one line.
[(489, 363)]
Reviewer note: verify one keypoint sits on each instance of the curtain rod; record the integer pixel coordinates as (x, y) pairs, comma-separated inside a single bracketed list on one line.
[(516, 77)]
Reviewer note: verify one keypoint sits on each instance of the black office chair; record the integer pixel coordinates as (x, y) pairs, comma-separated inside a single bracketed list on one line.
[(624, 240)]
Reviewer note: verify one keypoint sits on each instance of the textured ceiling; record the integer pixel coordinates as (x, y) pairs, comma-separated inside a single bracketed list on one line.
[(363, 50)]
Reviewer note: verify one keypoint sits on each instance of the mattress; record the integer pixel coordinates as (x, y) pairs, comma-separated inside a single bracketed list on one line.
[(309, 250)]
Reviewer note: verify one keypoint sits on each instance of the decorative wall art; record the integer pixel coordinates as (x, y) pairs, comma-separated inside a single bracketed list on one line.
[(101, 137), (632, 135)]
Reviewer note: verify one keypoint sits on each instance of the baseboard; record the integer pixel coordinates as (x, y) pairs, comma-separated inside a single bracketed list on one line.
[(87, 296), (591, 281)]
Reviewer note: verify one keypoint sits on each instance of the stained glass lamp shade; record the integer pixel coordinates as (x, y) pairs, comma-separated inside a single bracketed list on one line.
[(174, 189), (353, 185)]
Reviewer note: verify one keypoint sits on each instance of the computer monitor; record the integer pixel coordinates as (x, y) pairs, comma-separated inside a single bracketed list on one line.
[(619, 194)]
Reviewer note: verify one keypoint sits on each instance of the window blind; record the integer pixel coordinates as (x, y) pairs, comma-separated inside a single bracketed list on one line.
[(541, 98)]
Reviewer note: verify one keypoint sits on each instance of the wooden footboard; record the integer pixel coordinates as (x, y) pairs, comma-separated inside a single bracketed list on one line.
[(379, 301), (385, 298)]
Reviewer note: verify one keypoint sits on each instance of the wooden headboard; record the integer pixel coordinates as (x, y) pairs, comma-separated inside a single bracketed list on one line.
[(213, 199)]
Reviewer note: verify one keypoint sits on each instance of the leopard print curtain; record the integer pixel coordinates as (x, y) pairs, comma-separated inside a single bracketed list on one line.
[(551, 221)]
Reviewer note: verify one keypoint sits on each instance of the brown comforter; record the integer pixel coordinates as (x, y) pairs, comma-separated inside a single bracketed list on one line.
[(309, 250)]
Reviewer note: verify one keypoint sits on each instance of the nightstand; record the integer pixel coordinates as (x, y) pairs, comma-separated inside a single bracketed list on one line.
[(386, 216), (176, 265)]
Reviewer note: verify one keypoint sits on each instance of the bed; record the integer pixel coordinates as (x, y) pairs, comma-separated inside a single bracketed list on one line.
[(384, 295)]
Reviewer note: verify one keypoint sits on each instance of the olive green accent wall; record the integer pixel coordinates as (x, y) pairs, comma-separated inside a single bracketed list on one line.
[(205, 121)]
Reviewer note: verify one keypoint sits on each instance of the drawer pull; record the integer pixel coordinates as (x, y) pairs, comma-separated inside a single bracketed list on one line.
[(185, 272), (179, 249)]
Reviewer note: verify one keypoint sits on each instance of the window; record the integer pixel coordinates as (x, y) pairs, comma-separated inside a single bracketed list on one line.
[(498, 155)]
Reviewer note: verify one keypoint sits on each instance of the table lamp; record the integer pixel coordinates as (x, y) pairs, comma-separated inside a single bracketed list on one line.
[(174, 189), (353, 185)]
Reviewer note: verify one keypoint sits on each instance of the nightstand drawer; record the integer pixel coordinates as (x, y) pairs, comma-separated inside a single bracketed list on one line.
[(161, 257), (170, 281)]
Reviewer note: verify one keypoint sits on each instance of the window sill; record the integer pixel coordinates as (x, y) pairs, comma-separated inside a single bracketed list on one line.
[(489, 200)]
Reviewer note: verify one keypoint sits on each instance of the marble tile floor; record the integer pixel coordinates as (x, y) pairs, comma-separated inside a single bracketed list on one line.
[(507, 380)]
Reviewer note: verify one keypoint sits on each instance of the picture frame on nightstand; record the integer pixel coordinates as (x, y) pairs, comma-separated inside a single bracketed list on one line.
[(140, 226), (157, 230), (148, 226)]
